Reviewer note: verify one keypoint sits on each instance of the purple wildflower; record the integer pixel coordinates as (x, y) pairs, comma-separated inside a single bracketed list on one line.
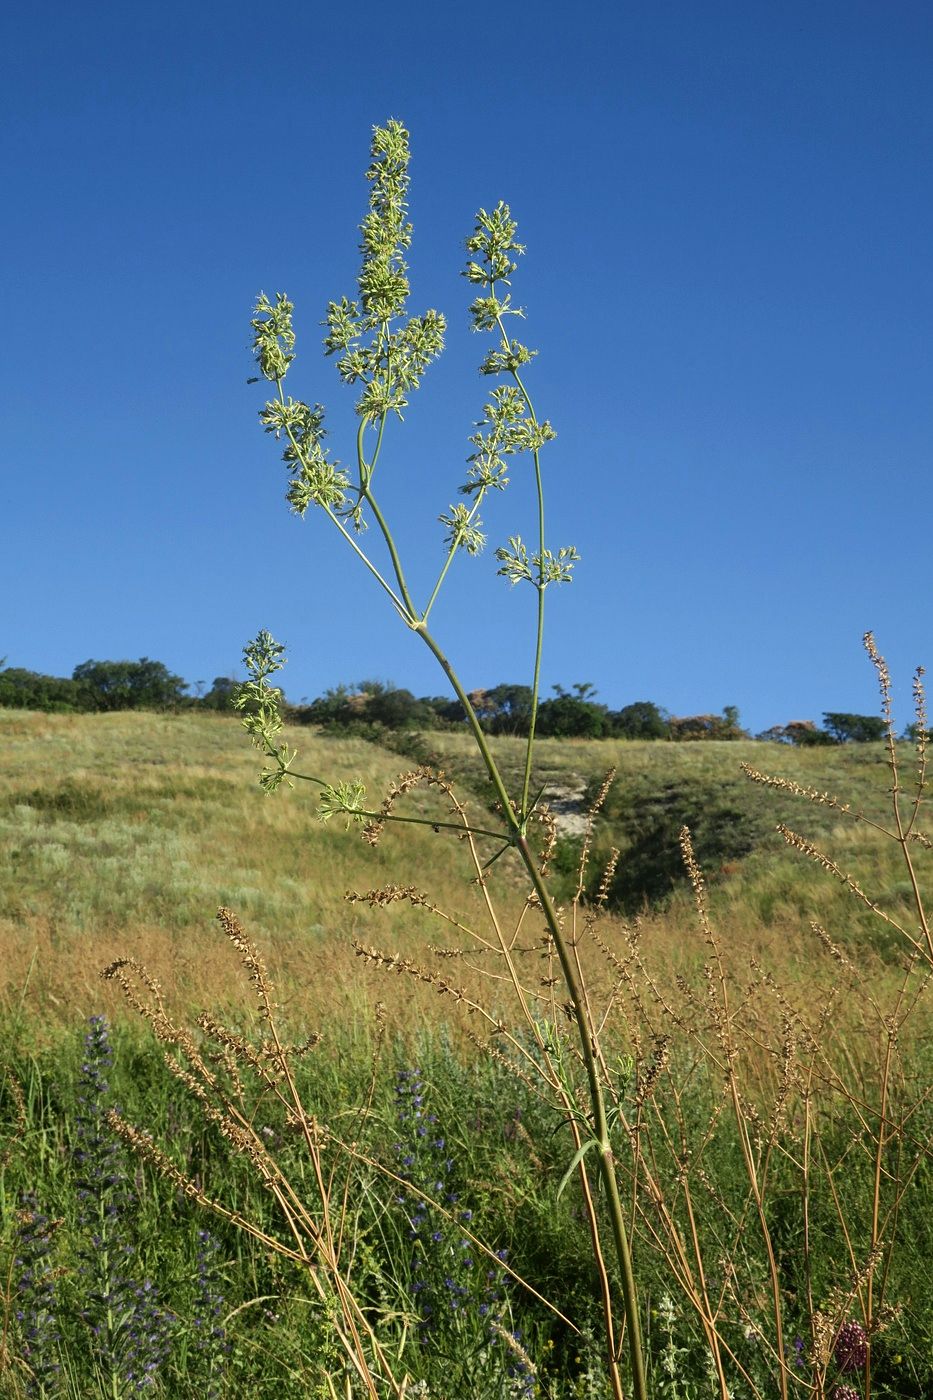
[(36, 1310), (212, 1342), (851, 1348), (128, 1329)]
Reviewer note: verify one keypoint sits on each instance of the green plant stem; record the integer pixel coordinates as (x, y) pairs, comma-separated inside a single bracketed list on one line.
[(600, 1122), (366, 473), (371, 501), (399, 606), (391, 816), (516, 823), (479, 735), (539, 639), (371, 466), (450, 559), (535, 692)]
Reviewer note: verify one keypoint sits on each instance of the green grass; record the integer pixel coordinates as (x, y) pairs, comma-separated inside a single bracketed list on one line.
[(506, 1163)]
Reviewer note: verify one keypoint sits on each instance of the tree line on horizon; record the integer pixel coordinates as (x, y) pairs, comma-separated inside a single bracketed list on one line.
[(371, 706)]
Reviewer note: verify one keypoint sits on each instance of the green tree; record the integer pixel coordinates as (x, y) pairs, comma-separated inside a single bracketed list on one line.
[(640, 720), (29, 690), (853, 729), (806, 734), (129, 685), (220, 695), (507, 709), (572, 716), (724, 726)]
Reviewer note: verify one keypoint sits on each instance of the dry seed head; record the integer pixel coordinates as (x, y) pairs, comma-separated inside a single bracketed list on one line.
[(489, 1047), (162, 1028), (394, 962), (822, 1336), (598, 801), (868, 1268), (605, 884), (884, 679), (19, 1103), (547, 819), (514, 1345), (235, 1046), (814, 853), (250, 958), (192, 1082), (787, 1080), (400, 787), (142, 1144), (823, 799), (695, 876), (886, 1315), (604, 948), (920, 712), (658, 1063), (390, 894), (227, 1060), (116, 972)]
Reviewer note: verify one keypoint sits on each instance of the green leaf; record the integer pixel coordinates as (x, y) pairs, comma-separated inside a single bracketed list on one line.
[(577, 1159)]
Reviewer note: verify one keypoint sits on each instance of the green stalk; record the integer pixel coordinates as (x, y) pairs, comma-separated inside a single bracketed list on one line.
[(539, 639), (597, 1101), (535, 689), (516, 825), (449, 560), (370, 500), (400, 607), (479, 735), (600, 1124)]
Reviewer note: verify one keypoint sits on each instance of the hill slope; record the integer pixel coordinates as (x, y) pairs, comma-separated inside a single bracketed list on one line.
[(124, 832)]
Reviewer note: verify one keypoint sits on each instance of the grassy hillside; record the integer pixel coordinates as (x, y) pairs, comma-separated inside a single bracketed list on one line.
[(759, 883), (123, 833)]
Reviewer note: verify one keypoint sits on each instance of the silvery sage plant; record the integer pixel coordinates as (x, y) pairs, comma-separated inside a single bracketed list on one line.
[(383, 353)]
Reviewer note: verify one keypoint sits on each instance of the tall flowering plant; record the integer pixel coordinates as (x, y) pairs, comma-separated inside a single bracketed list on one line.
[(383, 352)]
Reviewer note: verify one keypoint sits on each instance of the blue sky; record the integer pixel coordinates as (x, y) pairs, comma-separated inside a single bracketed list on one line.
[(728, 210)]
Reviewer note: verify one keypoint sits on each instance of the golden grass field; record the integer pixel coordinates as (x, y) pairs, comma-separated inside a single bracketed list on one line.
[(123, 834)]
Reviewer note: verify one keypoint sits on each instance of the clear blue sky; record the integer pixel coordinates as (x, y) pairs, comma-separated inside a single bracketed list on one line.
[(728, 209)]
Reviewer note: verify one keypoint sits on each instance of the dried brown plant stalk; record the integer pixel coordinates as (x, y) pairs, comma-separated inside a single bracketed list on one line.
[(233, 1079)]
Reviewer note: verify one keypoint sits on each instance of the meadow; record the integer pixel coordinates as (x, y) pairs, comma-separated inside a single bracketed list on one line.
[(124, 833)]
